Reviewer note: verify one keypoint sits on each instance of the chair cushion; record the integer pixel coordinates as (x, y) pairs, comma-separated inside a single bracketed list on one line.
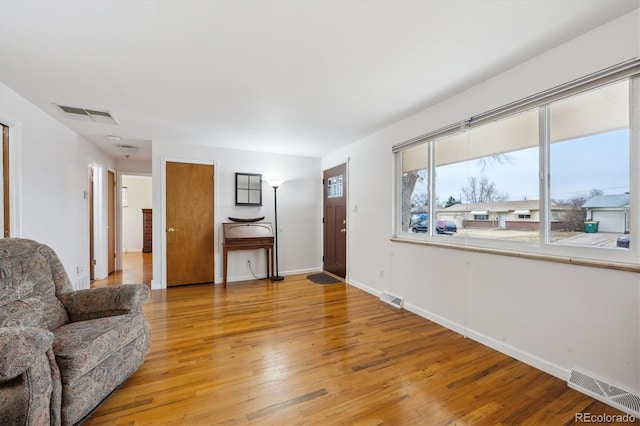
[(80, 346), (45, 311), (31, 276), (19, 349)]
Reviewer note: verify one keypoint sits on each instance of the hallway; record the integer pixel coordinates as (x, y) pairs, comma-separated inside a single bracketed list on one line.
[(136, 269)]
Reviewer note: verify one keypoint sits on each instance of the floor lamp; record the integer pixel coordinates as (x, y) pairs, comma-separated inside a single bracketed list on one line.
[(275, 184)]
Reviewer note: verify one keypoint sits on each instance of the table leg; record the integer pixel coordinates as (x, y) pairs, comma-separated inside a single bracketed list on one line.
[(225, 255), (273, 273)]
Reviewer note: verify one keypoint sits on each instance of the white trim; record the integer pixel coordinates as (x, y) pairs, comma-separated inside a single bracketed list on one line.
[(15, 176), (527, 358), (453, 326), (100, 243), (120, 249), (364, 288), (634, 158)]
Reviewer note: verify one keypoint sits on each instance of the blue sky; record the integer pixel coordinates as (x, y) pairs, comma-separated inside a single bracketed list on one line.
[(576, 167)]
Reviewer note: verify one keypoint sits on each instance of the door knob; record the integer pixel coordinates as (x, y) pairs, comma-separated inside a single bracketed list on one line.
[(343, 230), (170, 230)]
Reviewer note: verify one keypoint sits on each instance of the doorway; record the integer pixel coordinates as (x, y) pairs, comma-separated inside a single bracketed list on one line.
[(189, 223), (335, 220), (502, 220), (134, 228)]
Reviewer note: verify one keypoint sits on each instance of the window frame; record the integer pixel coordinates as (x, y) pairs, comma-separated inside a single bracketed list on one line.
[(544, 248)]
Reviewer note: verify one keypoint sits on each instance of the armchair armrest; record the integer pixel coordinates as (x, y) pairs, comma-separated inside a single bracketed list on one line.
[(105, 301), (20, 347)]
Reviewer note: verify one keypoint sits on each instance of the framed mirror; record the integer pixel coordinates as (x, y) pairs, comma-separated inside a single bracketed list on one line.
[(248, 189)]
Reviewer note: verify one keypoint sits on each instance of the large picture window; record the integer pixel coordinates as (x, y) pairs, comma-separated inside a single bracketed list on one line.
[(552, 173)]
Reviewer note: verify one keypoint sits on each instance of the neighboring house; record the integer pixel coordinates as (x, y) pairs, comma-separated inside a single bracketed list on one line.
[(521, 215), (611, 210)]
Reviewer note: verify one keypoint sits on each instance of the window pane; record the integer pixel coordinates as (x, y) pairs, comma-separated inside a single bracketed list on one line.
[(415, 189), (589, 167), (334, 187), (487, 180)]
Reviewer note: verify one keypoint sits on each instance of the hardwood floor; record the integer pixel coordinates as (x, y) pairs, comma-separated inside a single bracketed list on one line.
[(301, 353), (136, 269)]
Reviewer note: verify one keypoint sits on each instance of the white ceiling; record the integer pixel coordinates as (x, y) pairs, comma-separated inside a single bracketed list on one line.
[(301, 78)]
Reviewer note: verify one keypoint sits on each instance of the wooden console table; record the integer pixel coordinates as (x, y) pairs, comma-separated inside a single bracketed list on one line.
[(247, 236)]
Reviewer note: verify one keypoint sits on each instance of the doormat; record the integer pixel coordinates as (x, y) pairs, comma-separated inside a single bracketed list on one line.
[(322, 279)]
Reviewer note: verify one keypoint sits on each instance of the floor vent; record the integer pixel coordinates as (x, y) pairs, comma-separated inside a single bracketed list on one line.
[(603, 391), (391, 299)]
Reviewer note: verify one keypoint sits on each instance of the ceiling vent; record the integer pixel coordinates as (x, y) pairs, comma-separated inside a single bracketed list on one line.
[(91, 115)]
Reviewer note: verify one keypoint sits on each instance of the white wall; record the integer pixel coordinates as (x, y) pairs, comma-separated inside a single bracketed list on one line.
[(299, 207), (51, 175), (551, 315), (139, 197)]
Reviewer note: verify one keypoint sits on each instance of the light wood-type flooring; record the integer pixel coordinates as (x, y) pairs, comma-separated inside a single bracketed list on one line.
[(298, 353)]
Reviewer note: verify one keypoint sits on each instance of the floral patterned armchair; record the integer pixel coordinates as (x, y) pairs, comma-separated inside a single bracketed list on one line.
[(62, 352)]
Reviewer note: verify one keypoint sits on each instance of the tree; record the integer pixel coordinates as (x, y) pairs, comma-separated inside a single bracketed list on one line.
[(574, 217), (497, 158), (595, 192), (409, 199), (451, 201), (482, 191)]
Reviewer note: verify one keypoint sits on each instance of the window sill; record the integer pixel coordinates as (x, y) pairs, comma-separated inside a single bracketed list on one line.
[(618, 266)]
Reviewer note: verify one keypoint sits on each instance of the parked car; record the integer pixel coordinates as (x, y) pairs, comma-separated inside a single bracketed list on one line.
[(420, 223), (623, 241), (446, 227)]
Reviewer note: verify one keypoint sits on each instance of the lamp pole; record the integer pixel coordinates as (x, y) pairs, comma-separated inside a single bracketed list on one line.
[(275, 185)]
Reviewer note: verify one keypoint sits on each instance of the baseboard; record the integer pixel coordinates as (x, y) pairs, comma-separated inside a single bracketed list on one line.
[(527, 358), (363, 287), (451, 325), (532, 360), (263, 275), (301, 271), (128, 250)]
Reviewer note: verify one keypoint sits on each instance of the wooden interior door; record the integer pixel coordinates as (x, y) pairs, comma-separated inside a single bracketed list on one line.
[(190, 223), (335, 220), (111, 221)]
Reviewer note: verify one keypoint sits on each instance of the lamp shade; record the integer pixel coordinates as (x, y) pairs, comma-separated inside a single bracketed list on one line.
[(275, 183)]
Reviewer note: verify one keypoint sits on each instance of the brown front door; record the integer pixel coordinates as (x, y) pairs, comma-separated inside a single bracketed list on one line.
[(190, 242), (335, 220), (111, 221)]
